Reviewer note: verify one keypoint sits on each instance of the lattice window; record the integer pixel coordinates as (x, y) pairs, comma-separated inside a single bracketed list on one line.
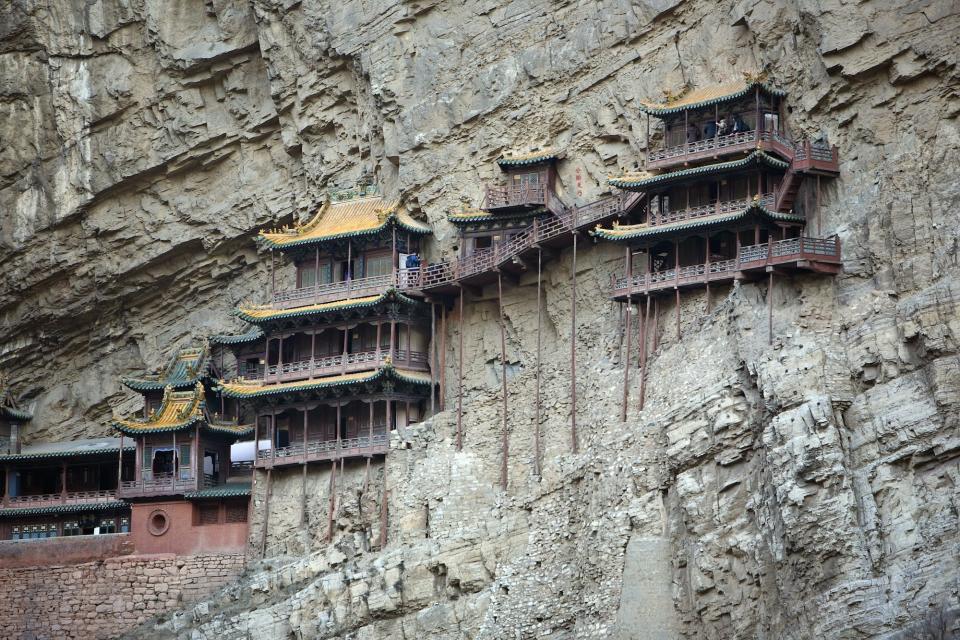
[(208, 514), (108, 525), (236, 512), (71, 528), (125, 525)]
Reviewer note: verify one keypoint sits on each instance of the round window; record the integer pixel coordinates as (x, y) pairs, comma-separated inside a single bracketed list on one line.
[(158, 522)]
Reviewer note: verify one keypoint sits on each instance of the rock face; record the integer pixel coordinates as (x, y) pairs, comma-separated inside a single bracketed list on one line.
[(803, 489)]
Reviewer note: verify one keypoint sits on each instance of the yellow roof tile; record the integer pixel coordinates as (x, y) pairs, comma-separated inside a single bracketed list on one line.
[(178, 409), (264, 312)]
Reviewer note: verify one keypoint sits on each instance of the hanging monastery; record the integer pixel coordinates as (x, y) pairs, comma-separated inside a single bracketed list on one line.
[(331, 372)]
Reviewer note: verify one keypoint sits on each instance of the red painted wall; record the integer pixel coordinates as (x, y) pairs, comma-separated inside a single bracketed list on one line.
[(181, 536)]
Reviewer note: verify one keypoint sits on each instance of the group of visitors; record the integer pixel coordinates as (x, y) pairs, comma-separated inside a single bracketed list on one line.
[(713, 129)]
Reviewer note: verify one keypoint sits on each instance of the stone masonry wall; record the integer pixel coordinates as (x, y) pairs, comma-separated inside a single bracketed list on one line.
[(105, 598)]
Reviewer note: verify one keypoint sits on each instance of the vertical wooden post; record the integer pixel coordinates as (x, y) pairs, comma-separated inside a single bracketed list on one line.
[(331, 501), (346, 347), (706, 270), (313, 352), (63, 480), (573, 349), (656, 322), (256, 439), (268, 491), (383, 508), (433, 359), (770, 310), (536, 411), (393, 259), (628, 323), (643, 354), (339, 418), (273, 437), (303, 478), (460, 379), (393, 340), (819, 228), (379, 335), (176, 463), (505, 437), (119, 465), (316, 277), (443, 356), (197, 468), (677, 307)]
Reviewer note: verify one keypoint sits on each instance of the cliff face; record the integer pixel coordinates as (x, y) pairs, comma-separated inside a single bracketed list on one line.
[(801, 489)]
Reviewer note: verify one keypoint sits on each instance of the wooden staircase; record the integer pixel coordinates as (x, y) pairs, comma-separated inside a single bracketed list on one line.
[(787, 193)]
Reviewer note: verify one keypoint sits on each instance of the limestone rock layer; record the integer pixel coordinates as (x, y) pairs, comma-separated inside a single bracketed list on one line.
[(801, 489)]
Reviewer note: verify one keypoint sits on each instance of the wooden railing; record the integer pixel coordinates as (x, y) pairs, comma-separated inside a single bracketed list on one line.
[(544, 229), (52, 499), (817, 157), (298, 452), (161, 484), (750, 257), (514, 195), (717, 208), (339, 363), (357, 288)]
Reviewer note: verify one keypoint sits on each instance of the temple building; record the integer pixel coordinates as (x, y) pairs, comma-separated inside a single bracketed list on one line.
[(186, 493), (720, 195), (332, 366)]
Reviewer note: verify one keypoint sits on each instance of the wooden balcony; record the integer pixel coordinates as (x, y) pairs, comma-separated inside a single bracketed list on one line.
[(320, 450), (58, 499), (338, 364), (812, 254), (514, 196), (720, 207), (348, 289), (719, 146), (163, 484), (816, 159)]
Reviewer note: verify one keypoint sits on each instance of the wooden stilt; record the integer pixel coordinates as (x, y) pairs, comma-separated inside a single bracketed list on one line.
[(433, 359), (383, 508), (120, 462), (443, 356), (643, 354), (460, 379), (628, 324), (656, 323), (536, 410), (677, 312), (770, 310), (331, 501), (268, 490), (303, 478), (505, 438), (573, 349)]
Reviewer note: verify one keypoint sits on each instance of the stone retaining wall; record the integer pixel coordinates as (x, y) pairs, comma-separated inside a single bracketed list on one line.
[(104, 598)]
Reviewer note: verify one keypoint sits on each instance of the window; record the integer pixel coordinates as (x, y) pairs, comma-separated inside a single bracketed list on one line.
[(125, 525), (527, 178), (378, 266), (236, 512), (207, 514), (306, 276), (71, 528), (108, 525), (482, 242)]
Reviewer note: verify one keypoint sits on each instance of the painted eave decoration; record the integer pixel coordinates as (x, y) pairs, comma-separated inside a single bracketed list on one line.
[(187, 366), (243, 338), (356, 214), (636, 231), (519, 159), (709, 96), (642, 180), (479, 216), (64, 508), (265, 313), (256, 389), (179, 410), (228, 490)]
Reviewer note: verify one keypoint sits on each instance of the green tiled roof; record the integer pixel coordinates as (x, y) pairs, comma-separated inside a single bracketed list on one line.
[(64, 508), (76, 449), (250, 336), (635, 232), (15, 415), (186, 367), (756, 157), (229, 490), (228, 428), (485, 217), (533, 157)]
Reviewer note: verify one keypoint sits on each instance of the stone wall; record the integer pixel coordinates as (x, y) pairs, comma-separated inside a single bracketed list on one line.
[(104, 598)]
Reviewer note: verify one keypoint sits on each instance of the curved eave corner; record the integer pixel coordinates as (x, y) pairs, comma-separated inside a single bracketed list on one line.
[(659, 110)]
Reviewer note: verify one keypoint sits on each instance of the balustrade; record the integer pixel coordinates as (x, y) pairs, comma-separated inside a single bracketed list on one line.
[(159, 484), (750, 257), (339, 363), (717, 208), (70, 497), (315, 449), (514, 195)]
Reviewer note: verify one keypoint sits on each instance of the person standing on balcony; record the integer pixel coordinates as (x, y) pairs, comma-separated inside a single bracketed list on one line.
[(710, 131), (739, 125)]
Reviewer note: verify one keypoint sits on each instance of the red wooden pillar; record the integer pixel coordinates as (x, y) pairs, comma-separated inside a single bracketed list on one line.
[(119, 464), (460, 378), (443, 356), (643, 354), (383, 509), (706, 269), (626, 359), (176, 462), (505, 436), (573, 349), (536, 412), (63, 481)]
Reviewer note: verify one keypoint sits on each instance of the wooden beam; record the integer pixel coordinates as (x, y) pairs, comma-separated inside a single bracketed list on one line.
[(643, 354), (383, 508), (460, 379), (331, 500), (573, 349), (443, 356), (268, 490), (536, 411), (628, 323), (505, 437)]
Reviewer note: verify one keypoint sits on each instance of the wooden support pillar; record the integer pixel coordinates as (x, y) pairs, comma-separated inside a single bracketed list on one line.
[(390, 424), (346, 347), (316, 278), (643, 354), (268, 491), (505, 436), (339, 418), (536, 410), (460, 379), (573, 349), (273, 437), (379, 337), (393, 341), (313, 352), (256, 439), (770, 310), (63, 479), (6, 486), (817, 205), (280, 358), (656, 322), (383, 508), (197, 469), (176, 463), (393, 259), (303, 477), (677, 312), (628, 323), (119, 464), (433, 359), (443, 356), (706, 269), (331, 501)]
